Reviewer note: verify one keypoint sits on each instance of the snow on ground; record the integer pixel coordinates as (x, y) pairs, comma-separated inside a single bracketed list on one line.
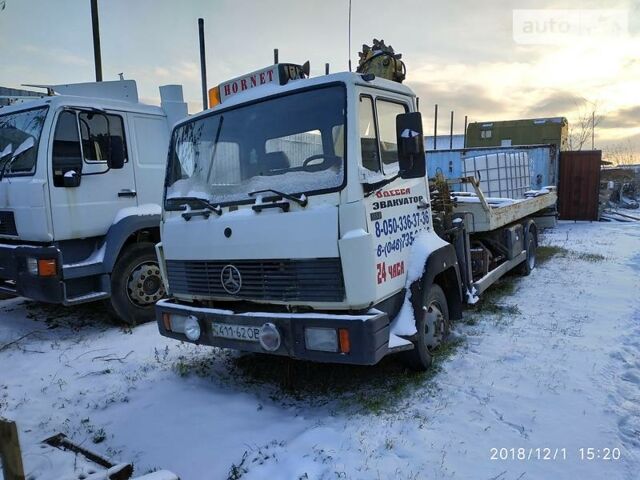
[(555, 364)]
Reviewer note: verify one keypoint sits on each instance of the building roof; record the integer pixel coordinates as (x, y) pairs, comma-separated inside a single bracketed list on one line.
[(523, 120)]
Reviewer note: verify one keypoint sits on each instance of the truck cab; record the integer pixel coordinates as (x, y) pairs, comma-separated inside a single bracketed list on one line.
[(287, 216), (298, 220), (81, 178)]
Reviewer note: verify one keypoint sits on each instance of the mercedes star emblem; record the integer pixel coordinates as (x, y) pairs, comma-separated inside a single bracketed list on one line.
[(231, 279)]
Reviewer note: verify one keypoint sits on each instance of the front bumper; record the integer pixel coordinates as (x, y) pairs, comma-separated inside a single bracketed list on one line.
[(368, 333), (15, 278)]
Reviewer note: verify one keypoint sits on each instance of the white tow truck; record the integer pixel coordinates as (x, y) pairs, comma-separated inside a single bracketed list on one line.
[(298, 221), (81, 175)]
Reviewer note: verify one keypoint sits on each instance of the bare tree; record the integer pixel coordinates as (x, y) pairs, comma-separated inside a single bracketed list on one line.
[(622, 153), (585, 121)]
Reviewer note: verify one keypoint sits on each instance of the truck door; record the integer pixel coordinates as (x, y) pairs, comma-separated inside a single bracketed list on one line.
[(86, 206), (396, 211)]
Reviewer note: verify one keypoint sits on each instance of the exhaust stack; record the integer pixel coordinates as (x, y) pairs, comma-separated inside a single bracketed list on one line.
[(173, 104)]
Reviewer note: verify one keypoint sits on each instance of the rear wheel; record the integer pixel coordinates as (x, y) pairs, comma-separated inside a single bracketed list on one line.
[(136, 284), (531, 245), (432, 324)]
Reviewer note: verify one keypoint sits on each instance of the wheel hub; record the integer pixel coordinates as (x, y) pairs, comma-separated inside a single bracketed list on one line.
[(434, 325), (145, 286)]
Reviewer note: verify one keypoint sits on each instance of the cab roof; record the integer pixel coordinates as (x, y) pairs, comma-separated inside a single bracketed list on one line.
[(121, 95), (270, 89)]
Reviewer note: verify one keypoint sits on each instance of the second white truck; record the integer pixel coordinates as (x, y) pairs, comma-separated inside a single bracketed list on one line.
[(81, 175), (298, 221)]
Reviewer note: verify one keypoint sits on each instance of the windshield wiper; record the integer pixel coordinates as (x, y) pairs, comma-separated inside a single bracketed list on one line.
[(302, 200), (371, 188), (209, 207)]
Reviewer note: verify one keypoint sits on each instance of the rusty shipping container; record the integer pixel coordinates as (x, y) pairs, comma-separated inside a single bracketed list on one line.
[(579, 184)]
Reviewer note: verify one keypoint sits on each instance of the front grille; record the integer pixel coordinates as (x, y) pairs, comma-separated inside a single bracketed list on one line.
[(7, 224), (317, 279)]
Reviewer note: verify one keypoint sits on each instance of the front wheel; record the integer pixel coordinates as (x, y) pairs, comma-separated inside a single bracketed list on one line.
[(136, 284), (432, 324)]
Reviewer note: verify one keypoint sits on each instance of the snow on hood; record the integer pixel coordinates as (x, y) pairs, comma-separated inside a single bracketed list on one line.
[(290, 182)]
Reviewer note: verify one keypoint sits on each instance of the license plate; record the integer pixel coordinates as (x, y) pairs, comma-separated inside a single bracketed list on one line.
[(235, 332)]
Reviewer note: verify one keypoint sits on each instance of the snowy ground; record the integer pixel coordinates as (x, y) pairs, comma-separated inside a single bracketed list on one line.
[(553, 364)]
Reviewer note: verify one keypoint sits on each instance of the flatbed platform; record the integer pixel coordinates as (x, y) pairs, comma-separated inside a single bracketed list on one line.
[(487, 214)]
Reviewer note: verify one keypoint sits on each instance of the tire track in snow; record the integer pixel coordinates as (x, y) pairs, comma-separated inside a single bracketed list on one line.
[(626, 401), (623, 374)]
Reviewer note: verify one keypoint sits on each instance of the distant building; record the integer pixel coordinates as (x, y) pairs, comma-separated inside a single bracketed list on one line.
[(443, 142), (6, 95), (536, 131)]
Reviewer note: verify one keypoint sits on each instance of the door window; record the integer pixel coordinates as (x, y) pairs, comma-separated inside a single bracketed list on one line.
[(84, 136), (98, 131), (67, 154), (387, 113), (368, 137)]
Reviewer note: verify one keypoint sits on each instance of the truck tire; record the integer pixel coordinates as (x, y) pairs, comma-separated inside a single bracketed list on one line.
[(432, 324), (531, 244), (136, 284)]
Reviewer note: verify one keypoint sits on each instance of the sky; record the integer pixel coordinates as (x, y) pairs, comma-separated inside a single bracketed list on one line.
[(495, 60)]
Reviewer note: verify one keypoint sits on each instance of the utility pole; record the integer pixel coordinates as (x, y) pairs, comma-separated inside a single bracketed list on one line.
[(97, 57), (451, 133), (593, 130), (203, 65), (435, 128), (465, 132)]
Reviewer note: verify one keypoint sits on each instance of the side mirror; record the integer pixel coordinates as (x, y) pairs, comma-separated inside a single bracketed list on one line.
[(71, 178), (411, 157), (116, 153)]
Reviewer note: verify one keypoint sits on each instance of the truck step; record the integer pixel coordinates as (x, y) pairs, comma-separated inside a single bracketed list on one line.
[(89, 297)]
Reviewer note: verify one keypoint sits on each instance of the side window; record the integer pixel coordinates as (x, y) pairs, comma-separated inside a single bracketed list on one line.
[(98, 131), (152, 152), (368, 137), (67, 154), (387, 113)]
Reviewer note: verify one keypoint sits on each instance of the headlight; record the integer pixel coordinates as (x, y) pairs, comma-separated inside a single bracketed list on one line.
[(43, 267), (270, 337), (32, 265), (321, 339), (192, 328)]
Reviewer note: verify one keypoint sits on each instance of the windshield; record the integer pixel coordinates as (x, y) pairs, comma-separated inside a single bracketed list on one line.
[(15, 129), (294, 144)]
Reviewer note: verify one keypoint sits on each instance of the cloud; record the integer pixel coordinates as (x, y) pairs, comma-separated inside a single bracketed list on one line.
[(56, 56), (559, 103), (470, 100), (629, 145), (623, 118)]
